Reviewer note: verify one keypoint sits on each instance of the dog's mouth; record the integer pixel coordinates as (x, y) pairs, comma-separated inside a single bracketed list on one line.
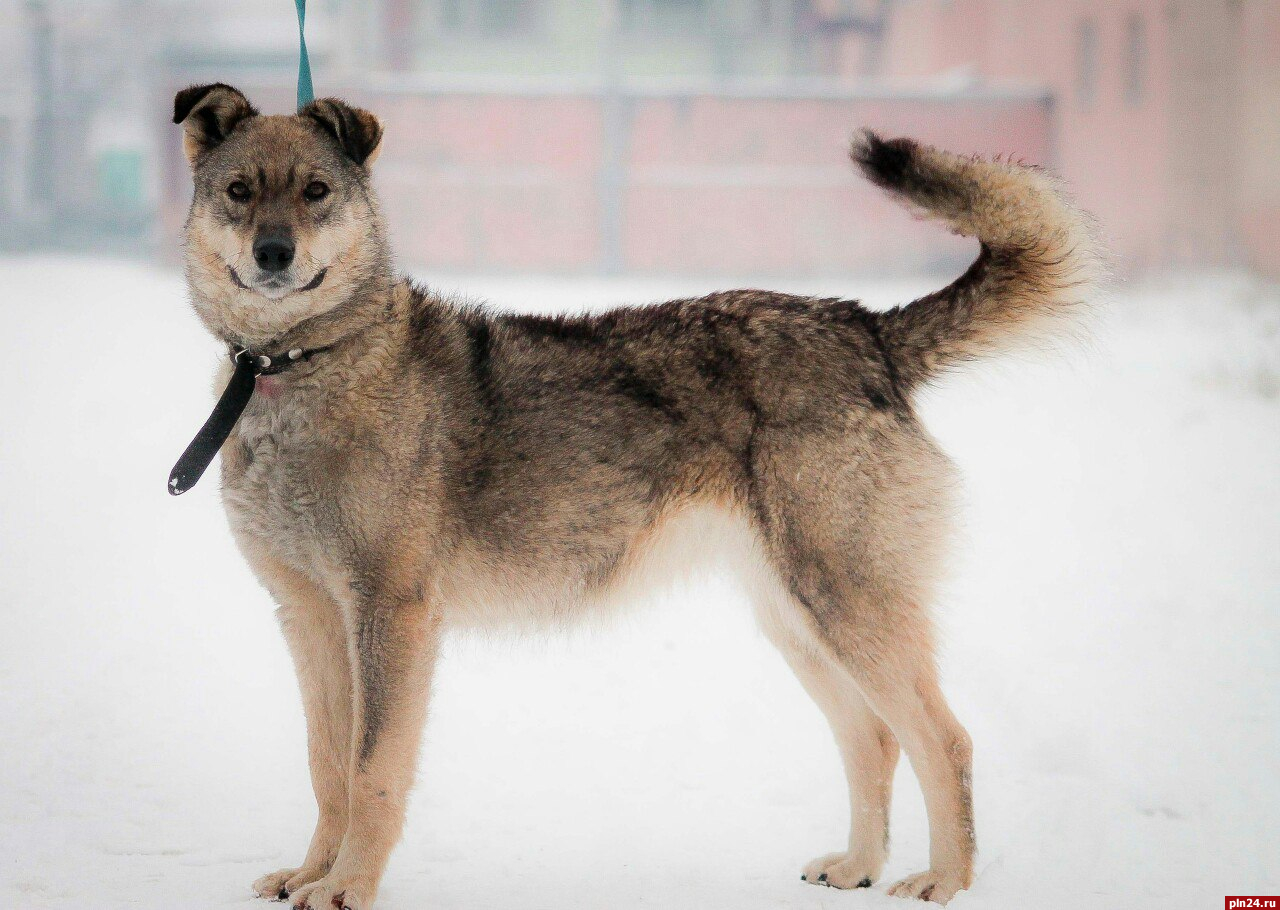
[(314, 282), (276, 291)]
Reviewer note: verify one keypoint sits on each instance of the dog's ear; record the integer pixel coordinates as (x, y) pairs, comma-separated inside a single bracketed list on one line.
[(357, 131), (208, 114)]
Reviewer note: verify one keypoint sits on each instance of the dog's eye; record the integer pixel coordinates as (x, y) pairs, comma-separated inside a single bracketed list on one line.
[(239, 191), (316, 190)]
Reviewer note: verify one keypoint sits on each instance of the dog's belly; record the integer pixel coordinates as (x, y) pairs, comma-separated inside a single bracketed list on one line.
[(479, 590)]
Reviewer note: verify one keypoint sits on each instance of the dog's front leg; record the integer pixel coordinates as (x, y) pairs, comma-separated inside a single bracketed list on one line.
[(314, 629), (393, 640)]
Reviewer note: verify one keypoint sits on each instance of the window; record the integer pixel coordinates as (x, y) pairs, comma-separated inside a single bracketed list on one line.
[(1087, 64), (1135, 67)]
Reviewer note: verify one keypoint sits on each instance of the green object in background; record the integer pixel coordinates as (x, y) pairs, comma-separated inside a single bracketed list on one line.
[(120, 179)]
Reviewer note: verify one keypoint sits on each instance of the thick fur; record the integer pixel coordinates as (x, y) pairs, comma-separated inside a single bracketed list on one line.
[(445, 465), (1039, 265)]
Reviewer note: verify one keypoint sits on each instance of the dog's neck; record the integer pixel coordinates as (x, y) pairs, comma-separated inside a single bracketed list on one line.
[(344, 348)]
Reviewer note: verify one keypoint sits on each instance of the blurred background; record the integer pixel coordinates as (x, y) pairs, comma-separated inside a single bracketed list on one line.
[(666, 136), (1111, 628)]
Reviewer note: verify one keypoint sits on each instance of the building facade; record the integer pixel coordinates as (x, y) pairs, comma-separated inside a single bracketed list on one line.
[(671, 135), (1163, 115), (1166, 112)]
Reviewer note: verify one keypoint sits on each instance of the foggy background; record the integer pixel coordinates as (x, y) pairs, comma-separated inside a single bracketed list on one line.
[(1110, 631), (666, 136)]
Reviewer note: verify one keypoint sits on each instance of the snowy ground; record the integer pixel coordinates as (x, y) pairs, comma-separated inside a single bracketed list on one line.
[(1113, 645)]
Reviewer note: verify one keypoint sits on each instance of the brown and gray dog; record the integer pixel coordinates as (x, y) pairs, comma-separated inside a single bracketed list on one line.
[(436, 464)]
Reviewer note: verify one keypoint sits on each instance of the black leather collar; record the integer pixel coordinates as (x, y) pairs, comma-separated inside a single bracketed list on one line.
[(249, 365), (271, 364)]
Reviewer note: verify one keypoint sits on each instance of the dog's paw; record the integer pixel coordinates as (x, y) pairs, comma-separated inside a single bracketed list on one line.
[(843, 870), (335, 892), (272, 885), (277, 886), (938, 887)]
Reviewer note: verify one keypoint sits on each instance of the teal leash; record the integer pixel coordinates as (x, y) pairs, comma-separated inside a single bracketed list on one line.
[(306, 94)]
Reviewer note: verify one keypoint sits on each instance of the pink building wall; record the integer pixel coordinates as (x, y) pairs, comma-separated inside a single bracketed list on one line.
[(1186, 173), (765, 184)]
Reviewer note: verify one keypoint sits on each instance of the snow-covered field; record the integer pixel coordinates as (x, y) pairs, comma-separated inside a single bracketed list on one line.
[(1112, 643)]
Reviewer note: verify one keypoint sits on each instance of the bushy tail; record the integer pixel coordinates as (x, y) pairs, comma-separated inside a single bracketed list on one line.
[(1039, 259)]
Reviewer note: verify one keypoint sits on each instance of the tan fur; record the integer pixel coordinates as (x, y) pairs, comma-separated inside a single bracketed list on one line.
[(317, 637), (439, 465), (1040, 266)]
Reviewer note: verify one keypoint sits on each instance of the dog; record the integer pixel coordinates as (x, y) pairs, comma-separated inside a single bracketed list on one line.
[(424, 464)]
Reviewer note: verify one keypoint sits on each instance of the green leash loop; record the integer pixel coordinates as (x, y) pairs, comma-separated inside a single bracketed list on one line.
[(306, 94)]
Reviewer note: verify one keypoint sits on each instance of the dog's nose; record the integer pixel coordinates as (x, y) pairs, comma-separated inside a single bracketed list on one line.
[(273, 254)]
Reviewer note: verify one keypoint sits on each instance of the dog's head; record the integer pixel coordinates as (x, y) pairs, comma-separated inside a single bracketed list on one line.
[(283, 224)]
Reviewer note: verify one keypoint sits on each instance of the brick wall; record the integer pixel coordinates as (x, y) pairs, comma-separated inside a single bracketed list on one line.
[(703, 183), (1179, 173)]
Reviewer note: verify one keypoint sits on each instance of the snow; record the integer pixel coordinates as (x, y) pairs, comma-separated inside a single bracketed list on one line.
[(1112, 643)]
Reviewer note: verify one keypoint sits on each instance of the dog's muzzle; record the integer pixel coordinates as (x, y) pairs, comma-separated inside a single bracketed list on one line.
[(311, 285)]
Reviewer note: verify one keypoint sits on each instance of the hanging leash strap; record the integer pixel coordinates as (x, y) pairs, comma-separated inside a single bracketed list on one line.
[(305, 92), (226, 413)]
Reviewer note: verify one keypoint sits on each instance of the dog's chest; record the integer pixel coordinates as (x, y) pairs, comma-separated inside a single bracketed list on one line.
[(279, 480)]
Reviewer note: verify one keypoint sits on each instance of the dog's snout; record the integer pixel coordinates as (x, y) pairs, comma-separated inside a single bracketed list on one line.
[(273, 253)]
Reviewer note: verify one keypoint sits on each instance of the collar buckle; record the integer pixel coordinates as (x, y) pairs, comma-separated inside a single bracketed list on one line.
[(266, 363)]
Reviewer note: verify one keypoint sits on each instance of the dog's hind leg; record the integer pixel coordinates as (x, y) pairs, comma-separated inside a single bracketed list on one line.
[(892, 664), (313, 628), (854, 518), (901, 686), (867, 747)]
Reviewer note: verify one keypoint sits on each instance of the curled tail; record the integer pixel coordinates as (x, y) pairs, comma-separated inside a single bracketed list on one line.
[(1039, 260)]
